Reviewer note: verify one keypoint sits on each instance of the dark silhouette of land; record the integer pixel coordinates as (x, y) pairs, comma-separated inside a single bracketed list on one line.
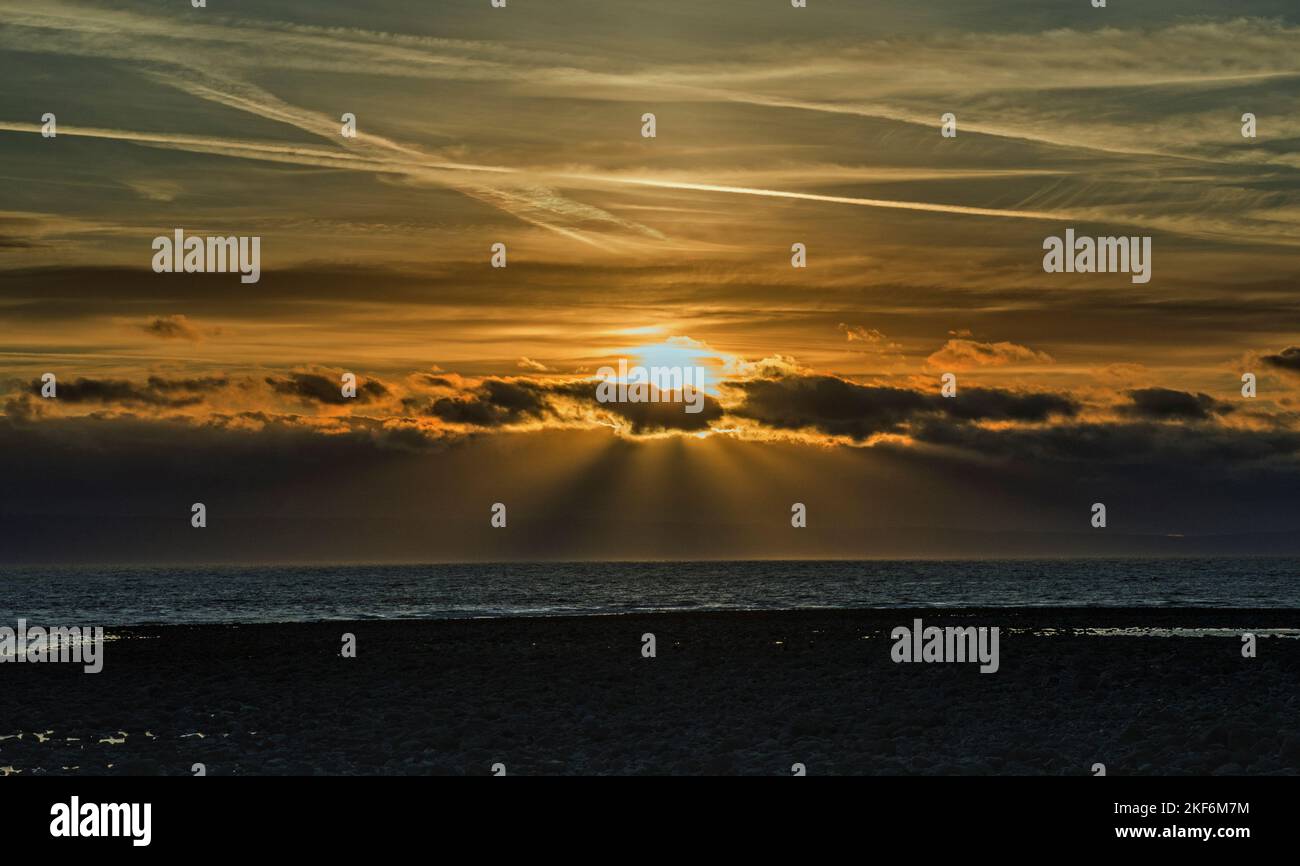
[(728, 693)]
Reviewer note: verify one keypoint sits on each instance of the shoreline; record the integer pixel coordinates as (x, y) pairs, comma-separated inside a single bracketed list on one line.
[(1074, 616)]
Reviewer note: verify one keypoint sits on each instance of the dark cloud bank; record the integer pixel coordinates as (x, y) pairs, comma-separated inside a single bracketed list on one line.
[(990, 473)]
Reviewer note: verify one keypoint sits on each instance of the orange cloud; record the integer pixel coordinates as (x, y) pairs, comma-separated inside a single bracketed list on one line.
[(969, 354)]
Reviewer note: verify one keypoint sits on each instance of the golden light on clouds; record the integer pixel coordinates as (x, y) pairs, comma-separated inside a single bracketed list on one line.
[(923, 252)]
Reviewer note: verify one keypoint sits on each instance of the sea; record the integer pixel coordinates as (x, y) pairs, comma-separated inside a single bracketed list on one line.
[(122, 595)]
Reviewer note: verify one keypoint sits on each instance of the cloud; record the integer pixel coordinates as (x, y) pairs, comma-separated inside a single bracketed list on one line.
[(526, 363), (772, 367), (176, 327), (962, 354), (667, 416), (1170, 452), (991, 404), (874, 344), (860, 334), (1008, 79), (155, 392), (1158, 403), (838, 407), (1288, 359), (316, 388), (494, 403), (772, 398), (1153, 442)]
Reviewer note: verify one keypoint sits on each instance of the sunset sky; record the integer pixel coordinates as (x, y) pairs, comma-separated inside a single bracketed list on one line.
[(523, 126)]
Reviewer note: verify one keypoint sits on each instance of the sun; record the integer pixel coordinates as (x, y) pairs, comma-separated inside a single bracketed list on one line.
[(683, 353)]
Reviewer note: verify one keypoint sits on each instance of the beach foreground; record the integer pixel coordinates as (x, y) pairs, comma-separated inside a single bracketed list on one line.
[(727, 693)]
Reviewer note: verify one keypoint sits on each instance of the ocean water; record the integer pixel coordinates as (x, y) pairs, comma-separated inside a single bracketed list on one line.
[(118, 595)]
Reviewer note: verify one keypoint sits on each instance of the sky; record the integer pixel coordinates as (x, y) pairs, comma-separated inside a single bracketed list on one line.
[(523, 126)]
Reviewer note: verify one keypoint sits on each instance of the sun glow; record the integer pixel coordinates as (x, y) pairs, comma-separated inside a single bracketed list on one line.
[(683, 353)]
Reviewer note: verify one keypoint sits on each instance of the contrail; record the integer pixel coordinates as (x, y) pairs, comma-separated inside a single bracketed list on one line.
[(402, 165), (834, 199)]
